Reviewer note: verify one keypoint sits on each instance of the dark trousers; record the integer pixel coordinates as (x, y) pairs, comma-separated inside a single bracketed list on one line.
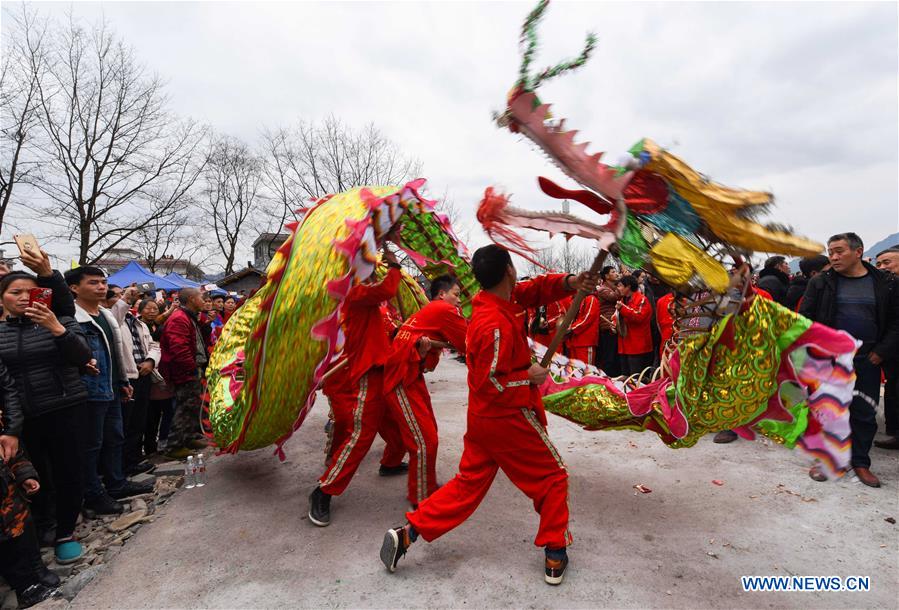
[(54, 441), (134, 421), (634, 364), (862, 411), (608, 353), (186, 423), (103, 447), (159, 422), (19, 558), (891, 397)]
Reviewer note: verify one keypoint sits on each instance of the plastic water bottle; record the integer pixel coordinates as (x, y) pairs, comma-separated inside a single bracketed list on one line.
[(190, 473), (200, 476)]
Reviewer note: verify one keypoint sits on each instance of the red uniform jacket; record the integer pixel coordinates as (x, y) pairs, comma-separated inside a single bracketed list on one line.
[(636, 311), (585, 328), (498, 353), (178, 345), (437, 320), (367, 344), (664, 318)]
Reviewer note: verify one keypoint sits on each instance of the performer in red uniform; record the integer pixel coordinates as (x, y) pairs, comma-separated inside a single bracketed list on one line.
[(405, 389), (634, 315), (664, 319), (392, 463), (506, 420), (358, 401), (583, 335)]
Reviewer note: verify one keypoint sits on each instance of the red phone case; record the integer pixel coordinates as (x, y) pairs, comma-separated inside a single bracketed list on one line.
[(40, 295)]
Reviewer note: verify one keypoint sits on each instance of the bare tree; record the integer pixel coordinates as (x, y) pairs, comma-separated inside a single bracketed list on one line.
[(24, 61), (566, 257), (117, 157), (165, 239), (233, 181), (310, 160)]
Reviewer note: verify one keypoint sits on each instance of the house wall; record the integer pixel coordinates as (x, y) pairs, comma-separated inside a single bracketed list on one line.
[(248, 282)]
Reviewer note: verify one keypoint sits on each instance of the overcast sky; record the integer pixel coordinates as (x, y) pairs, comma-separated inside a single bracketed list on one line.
[(798, 98)]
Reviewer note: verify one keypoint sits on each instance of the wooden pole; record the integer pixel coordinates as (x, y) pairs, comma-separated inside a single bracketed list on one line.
[(562, 328)]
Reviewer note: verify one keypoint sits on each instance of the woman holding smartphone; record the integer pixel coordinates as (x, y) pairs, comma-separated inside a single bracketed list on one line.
[(44, 350)]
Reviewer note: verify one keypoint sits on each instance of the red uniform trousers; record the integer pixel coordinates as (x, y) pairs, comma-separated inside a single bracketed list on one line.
[(360, 412), (389, 431), (520, 446), (410, 405), (584, 353)]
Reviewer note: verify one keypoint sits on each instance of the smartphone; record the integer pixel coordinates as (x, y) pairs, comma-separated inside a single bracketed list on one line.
[(160, 295), (40, 295), (147, 287), (27, 243)]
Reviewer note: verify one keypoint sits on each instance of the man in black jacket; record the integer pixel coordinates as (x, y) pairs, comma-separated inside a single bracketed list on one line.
[(775, 278), (888, 261), (808, 268), (855, 297)]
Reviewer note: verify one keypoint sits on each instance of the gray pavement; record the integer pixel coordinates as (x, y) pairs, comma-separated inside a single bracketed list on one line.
[(243, 541)]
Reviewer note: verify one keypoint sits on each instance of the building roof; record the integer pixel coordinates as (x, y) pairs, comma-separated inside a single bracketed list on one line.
[(271, 237), (237, 275)]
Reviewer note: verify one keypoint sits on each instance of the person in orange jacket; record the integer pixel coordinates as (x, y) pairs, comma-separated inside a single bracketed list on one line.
[(405, 389), (634, 335), (506, 421)]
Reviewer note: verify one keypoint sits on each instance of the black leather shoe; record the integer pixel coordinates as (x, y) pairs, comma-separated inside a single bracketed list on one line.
[(140, 468), (103, 505), (892, 443), (130, 488)]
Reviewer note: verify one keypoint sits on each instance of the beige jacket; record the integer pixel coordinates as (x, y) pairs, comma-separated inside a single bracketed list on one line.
[(150, 347)]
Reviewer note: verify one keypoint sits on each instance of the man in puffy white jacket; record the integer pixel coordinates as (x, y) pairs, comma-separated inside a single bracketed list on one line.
[(144, 351)]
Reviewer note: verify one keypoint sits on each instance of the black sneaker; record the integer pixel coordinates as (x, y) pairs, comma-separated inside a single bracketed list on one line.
[(130, 488), (396, 543), (725, 436), (103, 505), (392, 471), (140, 468), (554, 571), (33, 595), (319, 507)]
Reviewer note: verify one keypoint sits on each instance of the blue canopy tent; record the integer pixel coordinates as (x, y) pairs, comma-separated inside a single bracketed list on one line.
[(183, 282), (132, 273)]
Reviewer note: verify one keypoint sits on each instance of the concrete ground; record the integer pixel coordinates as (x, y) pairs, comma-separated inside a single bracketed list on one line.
[(244, 539)]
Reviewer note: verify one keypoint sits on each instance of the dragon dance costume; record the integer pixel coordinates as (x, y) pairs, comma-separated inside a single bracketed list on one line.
[(731, 362)]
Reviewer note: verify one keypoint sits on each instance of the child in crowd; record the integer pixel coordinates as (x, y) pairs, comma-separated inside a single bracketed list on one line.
[(20, 563)]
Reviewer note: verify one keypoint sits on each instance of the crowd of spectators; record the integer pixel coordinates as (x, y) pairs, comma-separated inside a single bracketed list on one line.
[(95, 379)]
